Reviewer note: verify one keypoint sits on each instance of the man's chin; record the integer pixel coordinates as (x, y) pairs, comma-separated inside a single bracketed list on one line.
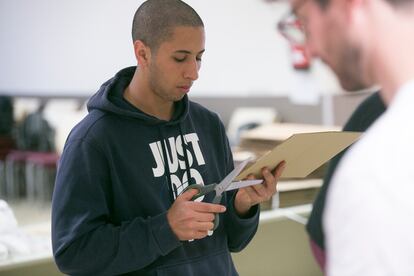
[(178, 98), (353, 86)]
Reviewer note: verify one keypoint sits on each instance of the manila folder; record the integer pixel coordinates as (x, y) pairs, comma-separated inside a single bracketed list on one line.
[(303, 153)]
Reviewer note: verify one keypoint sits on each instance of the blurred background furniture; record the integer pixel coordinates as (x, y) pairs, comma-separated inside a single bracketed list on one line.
[(246, 118), (40, 175)]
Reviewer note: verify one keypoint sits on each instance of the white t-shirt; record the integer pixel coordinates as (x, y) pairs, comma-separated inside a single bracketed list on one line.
[(369, 215)]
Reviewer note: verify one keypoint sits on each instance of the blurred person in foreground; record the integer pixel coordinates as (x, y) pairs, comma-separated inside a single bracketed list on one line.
[(361, 119), (367, 218)]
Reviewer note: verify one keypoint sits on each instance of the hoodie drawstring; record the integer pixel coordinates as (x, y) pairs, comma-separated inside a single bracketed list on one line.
[(171, 187), (187, 164)]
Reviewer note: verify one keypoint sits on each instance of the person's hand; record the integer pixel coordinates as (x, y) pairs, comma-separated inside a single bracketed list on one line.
[(252, 195), (190, 219)]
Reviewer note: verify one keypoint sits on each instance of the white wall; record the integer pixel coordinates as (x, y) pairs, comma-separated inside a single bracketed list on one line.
[(72, 46)]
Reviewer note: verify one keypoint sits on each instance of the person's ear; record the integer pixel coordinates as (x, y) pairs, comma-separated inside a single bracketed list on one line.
[(142, 53)]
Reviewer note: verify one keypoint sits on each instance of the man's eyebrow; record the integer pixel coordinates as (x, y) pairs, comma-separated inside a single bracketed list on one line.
[(189, 52)]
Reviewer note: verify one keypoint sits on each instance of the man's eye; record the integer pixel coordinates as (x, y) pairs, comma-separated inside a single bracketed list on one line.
[(179, 59), (198, 58)]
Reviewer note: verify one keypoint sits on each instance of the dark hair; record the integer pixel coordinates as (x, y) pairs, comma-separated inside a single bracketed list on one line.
[(155, 19), (322, 3), (394, 3)]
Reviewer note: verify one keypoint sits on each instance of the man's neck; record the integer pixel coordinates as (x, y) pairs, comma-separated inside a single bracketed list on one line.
[(139, 94)]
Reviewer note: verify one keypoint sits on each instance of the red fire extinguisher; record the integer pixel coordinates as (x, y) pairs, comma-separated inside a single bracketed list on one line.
[(291, 28), (300, 57)]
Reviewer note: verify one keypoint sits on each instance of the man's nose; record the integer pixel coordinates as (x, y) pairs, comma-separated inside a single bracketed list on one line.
[(191, 70)]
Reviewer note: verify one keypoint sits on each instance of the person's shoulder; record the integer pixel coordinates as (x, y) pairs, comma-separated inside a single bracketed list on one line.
[(197, 109), (376, 141), (366, 113), (88, 126), (200, 108), (373, 101)]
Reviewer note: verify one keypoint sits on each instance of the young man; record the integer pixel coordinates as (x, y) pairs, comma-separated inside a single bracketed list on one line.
[(369, 206), (118, 205)]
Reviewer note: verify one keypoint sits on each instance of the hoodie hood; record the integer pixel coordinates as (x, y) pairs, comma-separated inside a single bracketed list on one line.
[(109, 98)]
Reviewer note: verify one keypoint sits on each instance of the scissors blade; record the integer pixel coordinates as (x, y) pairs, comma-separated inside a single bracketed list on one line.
[(222, 186), (243, 183)]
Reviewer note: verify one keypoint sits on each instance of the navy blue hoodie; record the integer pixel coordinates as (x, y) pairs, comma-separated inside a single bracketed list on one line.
[(121, 170)]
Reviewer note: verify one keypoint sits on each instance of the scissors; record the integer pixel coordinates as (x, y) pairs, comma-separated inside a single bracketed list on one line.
[(226, 184)]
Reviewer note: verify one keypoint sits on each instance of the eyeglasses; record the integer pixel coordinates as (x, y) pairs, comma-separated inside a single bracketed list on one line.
[(291, 27)]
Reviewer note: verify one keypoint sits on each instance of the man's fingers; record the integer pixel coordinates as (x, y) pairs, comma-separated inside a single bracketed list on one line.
[(188, 195), (262, 191), (252, 195), (208, 207), (270, 182), (258, 193), (205, 226), (199, 230), (251, 177), (279, 169), (251, 192), (200, 235), (205, 217)]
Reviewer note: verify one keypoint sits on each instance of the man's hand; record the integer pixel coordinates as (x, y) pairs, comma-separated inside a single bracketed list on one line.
[(252, 195), (190, 219)]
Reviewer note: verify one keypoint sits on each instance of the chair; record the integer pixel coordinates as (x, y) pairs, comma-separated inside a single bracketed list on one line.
[(245, 118), (6, 145), (15, 163), (40, 175)]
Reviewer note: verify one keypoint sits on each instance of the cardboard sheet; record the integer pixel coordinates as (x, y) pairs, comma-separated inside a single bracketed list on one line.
[(303, 153)]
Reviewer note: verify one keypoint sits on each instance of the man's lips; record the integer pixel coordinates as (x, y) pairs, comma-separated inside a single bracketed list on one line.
[(185, 87)]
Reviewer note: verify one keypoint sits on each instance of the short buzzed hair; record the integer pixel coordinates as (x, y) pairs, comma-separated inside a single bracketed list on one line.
[(155, 19)]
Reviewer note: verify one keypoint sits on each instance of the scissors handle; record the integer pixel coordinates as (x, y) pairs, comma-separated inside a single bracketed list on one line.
[(203, 190), (216, 200)]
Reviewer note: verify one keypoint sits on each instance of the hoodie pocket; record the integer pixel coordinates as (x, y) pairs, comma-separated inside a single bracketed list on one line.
[(218, 264)]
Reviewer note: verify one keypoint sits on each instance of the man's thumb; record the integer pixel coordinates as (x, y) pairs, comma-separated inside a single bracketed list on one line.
[(188, 195)]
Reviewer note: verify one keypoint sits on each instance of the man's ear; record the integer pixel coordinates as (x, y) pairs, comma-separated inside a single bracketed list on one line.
[(142, 53)]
